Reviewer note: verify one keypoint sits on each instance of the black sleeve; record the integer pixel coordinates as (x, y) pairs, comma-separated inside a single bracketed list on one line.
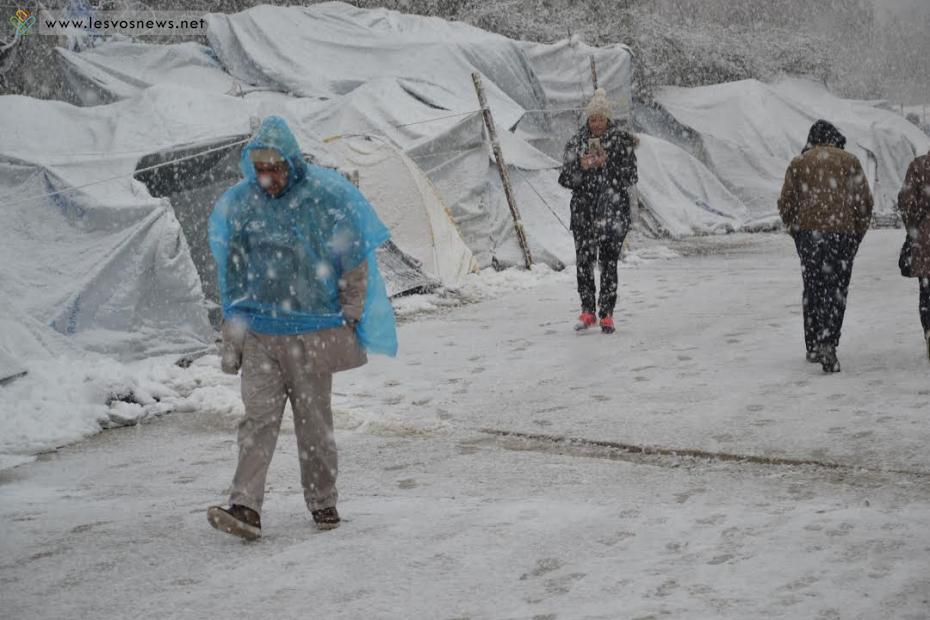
[(571, 174), (629, 170), (622, 161)]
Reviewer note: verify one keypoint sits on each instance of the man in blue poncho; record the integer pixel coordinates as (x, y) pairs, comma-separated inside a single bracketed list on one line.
[(302, 299)]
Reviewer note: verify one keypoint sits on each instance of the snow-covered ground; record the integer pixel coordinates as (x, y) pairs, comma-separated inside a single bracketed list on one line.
[(449, 516)]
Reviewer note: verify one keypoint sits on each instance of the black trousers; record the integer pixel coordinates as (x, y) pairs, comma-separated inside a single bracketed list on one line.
[(925, 304), (826, 268), (601, 244)]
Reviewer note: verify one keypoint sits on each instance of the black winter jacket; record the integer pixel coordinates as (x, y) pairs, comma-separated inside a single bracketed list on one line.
[(600, 196)]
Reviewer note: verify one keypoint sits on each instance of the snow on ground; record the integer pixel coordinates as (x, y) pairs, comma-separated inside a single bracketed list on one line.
[(446, 520), (64, 400)]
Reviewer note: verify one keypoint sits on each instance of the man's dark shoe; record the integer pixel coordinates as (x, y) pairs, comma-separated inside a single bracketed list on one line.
[(236, 520), (813, 356), (326, 518)]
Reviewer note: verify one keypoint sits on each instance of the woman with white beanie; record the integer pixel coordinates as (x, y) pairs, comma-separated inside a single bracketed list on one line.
[(599, 166)]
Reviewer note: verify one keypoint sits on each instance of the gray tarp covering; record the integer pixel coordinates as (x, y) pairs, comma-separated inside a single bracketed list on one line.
[(86, 252), (749, 132)]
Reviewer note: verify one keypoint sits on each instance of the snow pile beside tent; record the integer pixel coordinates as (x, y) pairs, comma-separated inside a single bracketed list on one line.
[(63, 400)]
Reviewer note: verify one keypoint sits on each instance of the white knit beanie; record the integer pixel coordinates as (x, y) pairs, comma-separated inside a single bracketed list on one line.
[(599, 104)]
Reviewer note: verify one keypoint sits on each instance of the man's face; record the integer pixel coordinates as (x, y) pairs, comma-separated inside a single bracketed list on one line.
[(597, 124), (272, 176)]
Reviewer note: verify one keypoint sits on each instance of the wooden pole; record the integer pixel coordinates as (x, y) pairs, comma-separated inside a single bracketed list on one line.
[(502, 169), (593, 72)]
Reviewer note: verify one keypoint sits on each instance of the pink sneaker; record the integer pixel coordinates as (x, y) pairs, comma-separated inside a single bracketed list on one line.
[(586, 320)]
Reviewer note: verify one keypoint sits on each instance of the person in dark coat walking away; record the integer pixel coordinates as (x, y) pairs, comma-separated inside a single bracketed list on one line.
[(826, 206), (599, 166), (914, 206)]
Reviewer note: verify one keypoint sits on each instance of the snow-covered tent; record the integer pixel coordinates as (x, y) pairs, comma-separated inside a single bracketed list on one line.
[(105, 210), (749, 131), (330, 49), (87, 252), (191, 177), (122, 69), (679, 196), (564, 72), (456, 157), (409, 205), (406, 79), (459, 161)]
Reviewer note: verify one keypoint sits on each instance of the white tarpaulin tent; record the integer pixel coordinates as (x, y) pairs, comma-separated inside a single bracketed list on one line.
[(330, 49), (459, 162), (749, 132), (407, 79), (564, 72), (122, 69), (90, 254), (409, 205), (85, 249), (679, 196), (454, 153)]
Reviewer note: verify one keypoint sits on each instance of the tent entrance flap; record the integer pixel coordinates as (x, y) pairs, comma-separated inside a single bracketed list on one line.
[(192, 177)]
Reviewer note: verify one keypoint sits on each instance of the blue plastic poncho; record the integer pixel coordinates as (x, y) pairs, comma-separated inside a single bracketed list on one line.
[(279, 259)]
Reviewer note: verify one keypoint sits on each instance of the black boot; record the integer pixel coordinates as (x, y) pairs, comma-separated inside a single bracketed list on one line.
[(828, 358), (236, 520), (326, 518)]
